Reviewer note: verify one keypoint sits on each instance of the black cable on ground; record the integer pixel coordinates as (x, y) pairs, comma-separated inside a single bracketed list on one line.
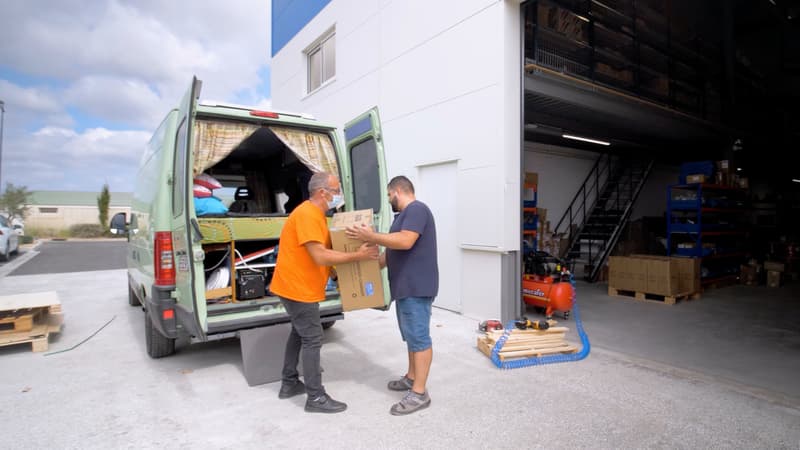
[(81, 342)]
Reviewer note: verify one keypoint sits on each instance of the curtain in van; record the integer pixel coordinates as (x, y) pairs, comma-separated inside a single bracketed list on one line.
[(313, 149), (216, 140)]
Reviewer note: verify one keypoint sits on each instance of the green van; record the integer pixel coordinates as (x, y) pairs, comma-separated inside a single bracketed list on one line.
[(203, 273)]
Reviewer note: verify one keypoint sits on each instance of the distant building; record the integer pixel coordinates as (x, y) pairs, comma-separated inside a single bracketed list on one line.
[(62, 209)]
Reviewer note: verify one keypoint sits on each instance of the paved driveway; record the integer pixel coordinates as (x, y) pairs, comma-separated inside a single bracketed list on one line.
[(73, 256), (102, 391)]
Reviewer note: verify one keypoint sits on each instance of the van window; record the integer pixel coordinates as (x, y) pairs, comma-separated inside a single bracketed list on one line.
[(179, 171), (366, 179)]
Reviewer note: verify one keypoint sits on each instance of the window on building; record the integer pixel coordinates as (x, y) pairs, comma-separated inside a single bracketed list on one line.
[(47, 210), (321, 60)]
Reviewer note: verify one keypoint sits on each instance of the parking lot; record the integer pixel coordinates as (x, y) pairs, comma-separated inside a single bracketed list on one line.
[(106, 393)]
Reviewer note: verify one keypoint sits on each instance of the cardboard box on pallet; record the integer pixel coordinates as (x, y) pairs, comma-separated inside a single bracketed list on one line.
[(626, 274), (773, 278), (360, 283), (652, 274)]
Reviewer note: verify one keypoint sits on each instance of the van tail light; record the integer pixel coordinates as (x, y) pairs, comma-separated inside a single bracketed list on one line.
[(164, 259), (267, 114)]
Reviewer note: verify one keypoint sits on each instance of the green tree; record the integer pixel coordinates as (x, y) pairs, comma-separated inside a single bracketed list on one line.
[(102, 205), (14, 201)]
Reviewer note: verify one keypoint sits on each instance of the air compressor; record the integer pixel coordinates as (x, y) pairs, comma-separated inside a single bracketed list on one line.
[(546, 284)]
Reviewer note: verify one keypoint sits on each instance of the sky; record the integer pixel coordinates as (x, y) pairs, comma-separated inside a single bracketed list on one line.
[(85, 83)]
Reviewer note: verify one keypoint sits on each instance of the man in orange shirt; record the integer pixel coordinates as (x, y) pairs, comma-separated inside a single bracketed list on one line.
[(301, 273)]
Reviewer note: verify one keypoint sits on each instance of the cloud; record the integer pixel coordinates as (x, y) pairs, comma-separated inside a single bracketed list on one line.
[(117, 100), (90, 84), (62, 157)]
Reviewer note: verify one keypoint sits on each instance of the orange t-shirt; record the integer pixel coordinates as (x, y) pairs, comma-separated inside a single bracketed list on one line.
[(296, 275)]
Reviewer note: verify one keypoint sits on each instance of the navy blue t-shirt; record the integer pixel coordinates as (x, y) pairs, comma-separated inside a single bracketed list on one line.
[(414, 272)]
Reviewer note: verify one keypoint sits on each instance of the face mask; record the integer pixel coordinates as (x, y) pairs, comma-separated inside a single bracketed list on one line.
[(336, 201)]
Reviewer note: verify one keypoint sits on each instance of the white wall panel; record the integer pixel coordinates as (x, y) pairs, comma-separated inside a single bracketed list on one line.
[(480, 281)]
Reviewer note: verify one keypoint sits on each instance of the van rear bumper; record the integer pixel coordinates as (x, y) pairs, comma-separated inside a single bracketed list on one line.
[(327, 314), (156, 304)]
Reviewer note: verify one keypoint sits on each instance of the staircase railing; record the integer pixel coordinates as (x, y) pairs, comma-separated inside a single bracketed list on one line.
[(634, 188), (581, 206)]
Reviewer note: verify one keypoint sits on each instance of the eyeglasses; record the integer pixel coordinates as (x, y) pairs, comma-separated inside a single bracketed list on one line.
[(334, 191)]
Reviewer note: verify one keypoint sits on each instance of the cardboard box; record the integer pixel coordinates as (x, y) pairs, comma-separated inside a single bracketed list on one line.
[(774, 266), (773, 278), (626, 274), (748, 275), (532, 178), (652, 274), (695, 178), (360, 283)]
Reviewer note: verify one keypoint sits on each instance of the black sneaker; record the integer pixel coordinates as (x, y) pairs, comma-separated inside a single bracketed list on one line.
[(290, 390), (324, 404)]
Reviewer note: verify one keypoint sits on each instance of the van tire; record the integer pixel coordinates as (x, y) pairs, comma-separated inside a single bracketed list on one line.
[(326, 325), (133, 300), (158, 346)]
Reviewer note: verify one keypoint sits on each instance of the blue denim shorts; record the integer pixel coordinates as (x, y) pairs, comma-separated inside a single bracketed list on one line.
[(414, 319)]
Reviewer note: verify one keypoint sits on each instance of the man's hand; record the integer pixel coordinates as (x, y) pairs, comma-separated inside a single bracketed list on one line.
[(362, 233), (368, 251)]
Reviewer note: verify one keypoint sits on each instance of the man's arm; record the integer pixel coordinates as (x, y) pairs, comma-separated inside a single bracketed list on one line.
[(398, 240), (324, 256)]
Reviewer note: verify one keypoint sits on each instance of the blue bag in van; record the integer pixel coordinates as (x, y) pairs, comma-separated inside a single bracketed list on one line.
[(209, 205)]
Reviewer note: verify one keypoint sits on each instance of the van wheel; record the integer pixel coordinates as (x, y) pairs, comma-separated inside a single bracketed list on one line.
[(133, 300), (158, 346), (7, 255), (326, 325)]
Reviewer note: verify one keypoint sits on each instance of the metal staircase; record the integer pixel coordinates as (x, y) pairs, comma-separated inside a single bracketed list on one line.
[(600, 210)]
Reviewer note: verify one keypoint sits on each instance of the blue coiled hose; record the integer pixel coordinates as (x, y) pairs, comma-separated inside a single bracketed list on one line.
[(549, 359)]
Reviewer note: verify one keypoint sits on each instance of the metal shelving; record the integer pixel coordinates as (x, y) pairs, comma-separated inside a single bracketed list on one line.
[(629, 45), (705, 221)]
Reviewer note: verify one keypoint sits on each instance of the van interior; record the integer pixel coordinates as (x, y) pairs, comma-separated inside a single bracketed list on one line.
[(268, 176)]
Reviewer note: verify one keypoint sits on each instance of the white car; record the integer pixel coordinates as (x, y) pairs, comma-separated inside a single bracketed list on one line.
[(9, 240)]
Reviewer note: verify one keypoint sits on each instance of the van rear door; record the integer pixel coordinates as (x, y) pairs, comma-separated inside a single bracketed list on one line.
[(364, 172), (188, 253)]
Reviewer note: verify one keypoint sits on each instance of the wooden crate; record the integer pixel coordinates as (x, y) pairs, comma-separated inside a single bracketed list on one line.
[(33, 317), (526, 343)]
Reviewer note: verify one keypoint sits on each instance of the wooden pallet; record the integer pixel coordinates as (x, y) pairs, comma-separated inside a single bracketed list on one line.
[(645, 296), (32, 317), (526, 343)]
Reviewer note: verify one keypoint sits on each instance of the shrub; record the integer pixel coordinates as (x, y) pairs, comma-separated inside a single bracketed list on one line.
[(26, 239), (86, 230)]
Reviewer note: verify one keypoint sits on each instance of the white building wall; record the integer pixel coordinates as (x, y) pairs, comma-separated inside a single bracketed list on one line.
[(66, 216), (446, 79)]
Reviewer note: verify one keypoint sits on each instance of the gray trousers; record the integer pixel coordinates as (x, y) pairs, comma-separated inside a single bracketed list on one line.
[(306, 334)]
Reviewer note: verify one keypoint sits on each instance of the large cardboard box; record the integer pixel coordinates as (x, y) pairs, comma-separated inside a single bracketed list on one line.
[(626, 274), (360, 283), (652, 274), (662, 275), (775, 266), (773, 278)]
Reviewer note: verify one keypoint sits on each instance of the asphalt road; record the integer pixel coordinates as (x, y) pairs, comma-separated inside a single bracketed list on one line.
[(74, 256)]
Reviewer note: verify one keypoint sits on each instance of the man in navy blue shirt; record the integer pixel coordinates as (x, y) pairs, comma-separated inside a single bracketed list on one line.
[(410, 257)]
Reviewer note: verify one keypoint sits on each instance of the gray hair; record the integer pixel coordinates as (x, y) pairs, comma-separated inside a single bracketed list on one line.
[(318, 181)]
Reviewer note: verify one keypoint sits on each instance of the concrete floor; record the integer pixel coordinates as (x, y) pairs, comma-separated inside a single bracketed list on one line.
[(712, 373)]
